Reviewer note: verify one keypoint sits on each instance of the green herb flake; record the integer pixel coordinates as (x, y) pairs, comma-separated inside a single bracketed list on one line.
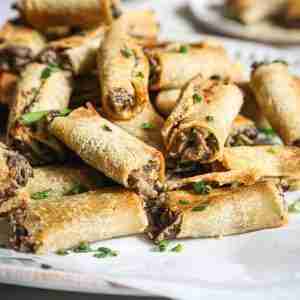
[(140, 75), (41, 195), (162, 246), (209, 118), (201, 188), (267, 131), (178, 248), (183, 202), (104, 252), (64, 112), (126, 52), (48, 71), (183, 49), (197, 98), (33, 117), (272, 151), (200, 207), (281, 61), (295, 207), (147, 125), (77, 189), (83, 247), (106, 128), (62, 252)]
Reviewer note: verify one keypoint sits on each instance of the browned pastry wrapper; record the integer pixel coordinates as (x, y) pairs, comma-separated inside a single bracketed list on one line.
[(268, 161), (253, 11), (172, 69), (111, 150), (226, 212), (75, 53), (123, 72), (243, 132), (146, 126), (15, 172), (19, 45), (199, 125), (85, 14), (278, 94), (63, 223), (40, 88), (8, 82)]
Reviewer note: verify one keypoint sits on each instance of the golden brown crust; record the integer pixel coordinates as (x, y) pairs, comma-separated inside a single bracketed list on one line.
[(63, 223), (8, 83), (49, 13), (269, 161), (172, 69), (278, 94), (123, 72), (37, 92), (225, 212), (208, 107), (106, 146)]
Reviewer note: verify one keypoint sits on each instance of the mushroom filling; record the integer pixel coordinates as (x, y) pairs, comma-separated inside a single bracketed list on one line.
[(242, 137), (146, 180), (155, 69), (194, 144), (120, 100), (15, 58)]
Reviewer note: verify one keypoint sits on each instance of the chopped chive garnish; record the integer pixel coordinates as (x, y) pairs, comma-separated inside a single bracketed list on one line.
[(162, 246), (106, 127), (147, 125), (140, 74), (177, 248), (295, 207), (83, 247), (77, 189), (184, 202), (103, 252), (33, 117), (41, 195), (183, 49), (62, 252), (201, 188), (200, 207), (268, 131), (281, 61), (48, 71), (197, 98), (126, 52)]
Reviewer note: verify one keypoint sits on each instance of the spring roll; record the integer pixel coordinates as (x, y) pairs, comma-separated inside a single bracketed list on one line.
[(15, 172), (166, 100), (41, 89), (8, 83), (278, 94), (61, 180), (199, 125), (269, 161), (243, 132), (253, 11), (146, 126), (172, 69), (111, 150), (292, 14), (63, 223), (76, 53), (85, 14), (123, 72), (228, 212), (19, 45)]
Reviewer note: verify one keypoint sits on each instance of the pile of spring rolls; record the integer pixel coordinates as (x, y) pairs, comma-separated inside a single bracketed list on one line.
[(108, 132)]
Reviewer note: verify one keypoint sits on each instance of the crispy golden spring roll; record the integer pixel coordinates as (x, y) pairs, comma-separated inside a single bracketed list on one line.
[(41, 89), (269, 161), (215, 179), (60, 180), (231, 211), (15, 172), (124, 73), (19, 45), (172, 69), (146, 126), (292, 14), (166, 100), (85, 14), (63, 223), (278, 94), (243, 132), (76, 53), (199, 125), (111, 150), (253, 11), (8, 83)]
